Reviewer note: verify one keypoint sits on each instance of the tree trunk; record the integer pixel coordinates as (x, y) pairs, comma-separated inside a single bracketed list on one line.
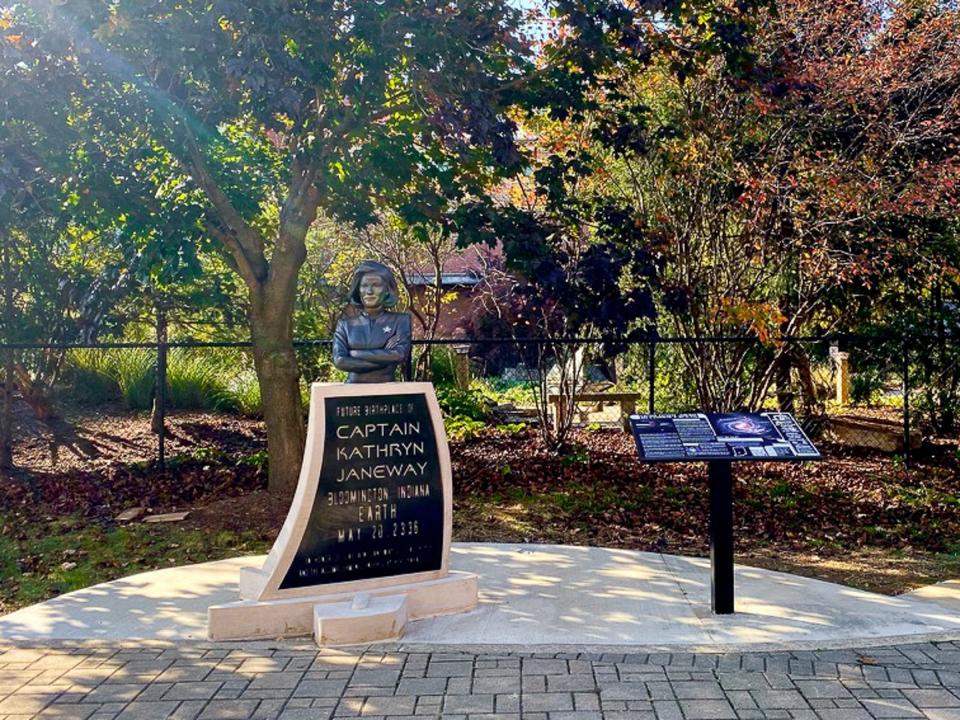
[(276, 364), (273, 289), (424, 368), (784, 383), (811, 397)]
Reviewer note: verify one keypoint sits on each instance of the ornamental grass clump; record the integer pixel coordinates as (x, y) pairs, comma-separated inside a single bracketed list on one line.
[(134, 370), (196, 380), (244, 394), (101, 376), (91, 376)]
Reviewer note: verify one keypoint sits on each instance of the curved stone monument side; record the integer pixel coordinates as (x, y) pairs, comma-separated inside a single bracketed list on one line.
[(375, 459), (253, 581)]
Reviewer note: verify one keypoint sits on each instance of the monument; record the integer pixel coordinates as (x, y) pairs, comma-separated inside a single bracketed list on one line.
[(365, 546)]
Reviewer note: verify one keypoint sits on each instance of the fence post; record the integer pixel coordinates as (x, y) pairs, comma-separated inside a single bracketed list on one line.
[(6, 413), (906, 400), (408, 365), (160, 411), (461, 366), (651, 376)]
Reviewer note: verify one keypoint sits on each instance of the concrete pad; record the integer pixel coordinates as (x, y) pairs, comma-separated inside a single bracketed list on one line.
[(531, 595), (945, 594), (169, 604)]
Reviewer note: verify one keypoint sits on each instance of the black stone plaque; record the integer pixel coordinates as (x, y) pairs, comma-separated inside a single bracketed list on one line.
[(378, 510)]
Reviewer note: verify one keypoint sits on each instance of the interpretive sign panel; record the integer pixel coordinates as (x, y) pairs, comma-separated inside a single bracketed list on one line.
[(721, 439), (378, 509), (721, 436)]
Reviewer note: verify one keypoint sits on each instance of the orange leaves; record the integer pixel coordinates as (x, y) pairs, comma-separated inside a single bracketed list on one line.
[(762, 104), (760, 318)]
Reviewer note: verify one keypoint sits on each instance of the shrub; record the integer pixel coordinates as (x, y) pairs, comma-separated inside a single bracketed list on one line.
[(126, 374), (442, 366), (91, 376), (513, 428), (518, 392), (460, 427), (866, 385), (135, 372), (244, 394), (472, 403), (674, 388), (196, 381)]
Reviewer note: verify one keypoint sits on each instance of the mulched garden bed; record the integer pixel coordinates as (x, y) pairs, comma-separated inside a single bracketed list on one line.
[(848, 500), (858, 517)]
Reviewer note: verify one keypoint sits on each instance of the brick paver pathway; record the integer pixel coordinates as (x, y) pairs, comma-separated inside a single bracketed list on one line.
[(155, 681)]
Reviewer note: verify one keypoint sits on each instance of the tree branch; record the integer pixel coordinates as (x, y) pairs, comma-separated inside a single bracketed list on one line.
[(244, 244)]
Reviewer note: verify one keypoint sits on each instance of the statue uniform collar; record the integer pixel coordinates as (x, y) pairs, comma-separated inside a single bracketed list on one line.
[(379, 319)]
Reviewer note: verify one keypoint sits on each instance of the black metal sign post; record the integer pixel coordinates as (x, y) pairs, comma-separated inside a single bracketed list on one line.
[(721, 536), (720, 439)]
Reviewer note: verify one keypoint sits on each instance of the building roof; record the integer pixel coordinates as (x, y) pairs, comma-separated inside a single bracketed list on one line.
[(446, 278), (466, 267)]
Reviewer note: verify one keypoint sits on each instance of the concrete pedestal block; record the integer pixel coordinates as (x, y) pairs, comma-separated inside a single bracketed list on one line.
[(382, 618), (292, 617)]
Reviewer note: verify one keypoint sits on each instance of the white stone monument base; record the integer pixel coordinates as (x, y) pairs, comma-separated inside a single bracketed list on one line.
[(353, 623), (332, 620)]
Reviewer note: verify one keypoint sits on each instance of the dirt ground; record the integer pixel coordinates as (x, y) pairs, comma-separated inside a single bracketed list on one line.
[(857, 518), (91, 439)]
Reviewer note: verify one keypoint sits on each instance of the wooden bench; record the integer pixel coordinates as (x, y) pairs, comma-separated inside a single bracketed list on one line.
[(626, 400)]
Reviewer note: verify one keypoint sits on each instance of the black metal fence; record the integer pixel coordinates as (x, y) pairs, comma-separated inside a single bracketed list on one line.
[(861, 390)]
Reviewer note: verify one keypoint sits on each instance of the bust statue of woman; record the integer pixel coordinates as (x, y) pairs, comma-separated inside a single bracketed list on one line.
[(371, 341)]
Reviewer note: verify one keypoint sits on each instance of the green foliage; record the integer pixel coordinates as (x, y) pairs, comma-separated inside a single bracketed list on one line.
[(442, 365), (576, 455), (218, 129), (464, 428), (674, 389), (517, 392), (244, 392), (922, 496), (471, 403), (781, 489), (91, 375), (134, 369), (195, 381), (202, 454), (99, 376), (259, 459), (513, 428), (866, 385)]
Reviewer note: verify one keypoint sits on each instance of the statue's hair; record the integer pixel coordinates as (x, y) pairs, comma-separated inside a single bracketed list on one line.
[(367, 267)]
